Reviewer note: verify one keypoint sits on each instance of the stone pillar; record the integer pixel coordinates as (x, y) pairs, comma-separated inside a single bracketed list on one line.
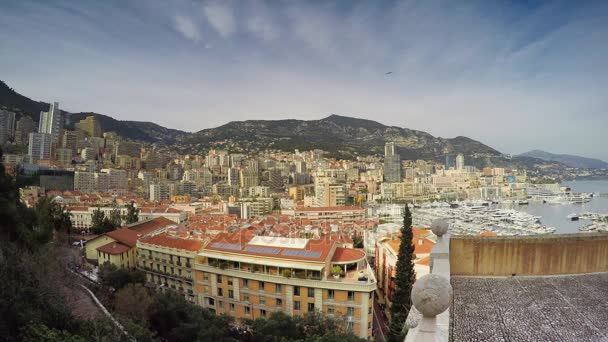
[(318, 299), (441, 250), (431, 295), (289, 299), (213, 279)]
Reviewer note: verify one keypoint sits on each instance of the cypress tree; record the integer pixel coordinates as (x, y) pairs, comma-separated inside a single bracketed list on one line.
[(404, 280)]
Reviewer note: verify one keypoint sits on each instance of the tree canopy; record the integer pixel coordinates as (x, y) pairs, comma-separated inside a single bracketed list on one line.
[(404, 280)]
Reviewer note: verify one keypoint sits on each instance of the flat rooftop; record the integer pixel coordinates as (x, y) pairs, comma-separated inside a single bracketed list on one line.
[(553, 308)]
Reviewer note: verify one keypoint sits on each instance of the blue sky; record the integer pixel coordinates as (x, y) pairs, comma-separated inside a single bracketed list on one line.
[(514, 75)]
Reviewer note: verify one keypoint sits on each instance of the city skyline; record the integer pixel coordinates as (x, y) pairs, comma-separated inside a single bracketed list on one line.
[(516, 77)]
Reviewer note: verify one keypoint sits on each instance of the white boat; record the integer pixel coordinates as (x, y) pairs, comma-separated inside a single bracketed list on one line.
[(573, 217)]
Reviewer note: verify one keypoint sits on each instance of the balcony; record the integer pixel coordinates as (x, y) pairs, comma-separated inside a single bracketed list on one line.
[(297, 278)]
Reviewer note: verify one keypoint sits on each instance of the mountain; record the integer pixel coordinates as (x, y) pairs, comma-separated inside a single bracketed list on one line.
[(16, 102), (567, 159), (135, 130), (341, 135)]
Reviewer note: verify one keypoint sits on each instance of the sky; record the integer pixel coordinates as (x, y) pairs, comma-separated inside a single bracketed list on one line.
[(516, 75)]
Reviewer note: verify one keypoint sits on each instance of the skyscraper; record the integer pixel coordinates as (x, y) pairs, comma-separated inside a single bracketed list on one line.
[(25, 126), (90, 125), (7, 125), (39, 146), (392, 164), (51, 122), (460, 162)]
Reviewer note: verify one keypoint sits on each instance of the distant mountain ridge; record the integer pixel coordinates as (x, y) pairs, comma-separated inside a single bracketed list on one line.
[(567, 159), (340, 135)]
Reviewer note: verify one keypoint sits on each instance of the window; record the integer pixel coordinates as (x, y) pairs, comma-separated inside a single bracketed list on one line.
[(247, 310), (219, 278), (220, 292), (263, 313), (311, 307), (231, 307), (330, 310), (369, 310), (277, 288), (229, 281), (350, 311), (230, 294), (262, 300), (330, 294), (351, 295), (220, 304), (311, 292), (296, 305), (261, 286), (279, 302), (369, 325), (211, 301), (245, 283), (245, 298), (296, 290), (205, 276)]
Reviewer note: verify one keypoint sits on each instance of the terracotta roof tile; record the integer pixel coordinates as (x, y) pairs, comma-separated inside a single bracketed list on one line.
[(113, 248), (165, 240), (347, 254)]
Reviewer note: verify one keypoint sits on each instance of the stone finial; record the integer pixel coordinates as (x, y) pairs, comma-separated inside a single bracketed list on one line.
[(439, 227), (432, 294)]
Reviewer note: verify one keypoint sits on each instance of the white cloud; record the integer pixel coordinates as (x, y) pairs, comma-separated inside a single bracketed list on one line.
[(187, 27), (221, 18)]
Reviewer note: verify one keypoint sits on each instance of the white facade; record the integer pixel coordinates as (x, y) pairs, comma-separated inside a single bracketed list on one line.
[(51, 121), (39, 147)]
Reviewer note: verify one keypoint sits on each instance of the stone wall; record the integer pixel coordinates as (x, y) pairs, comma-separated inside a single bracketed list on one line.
[(534, 255)]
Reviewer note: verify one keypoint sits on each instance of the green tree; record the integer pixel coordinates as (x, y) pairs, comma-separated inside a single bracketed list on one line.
[(115, 217), (117, 278), (97, 221), (133, 302), (132, 215), (406, 276)]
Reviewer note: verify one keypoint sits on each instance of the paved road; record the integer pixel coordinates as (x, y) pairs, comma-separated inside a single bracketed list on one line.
[(380, 323)]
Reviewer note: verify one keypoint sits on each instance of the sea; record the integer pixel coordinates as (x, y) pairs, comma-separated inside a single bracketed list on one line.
[(554, 215)]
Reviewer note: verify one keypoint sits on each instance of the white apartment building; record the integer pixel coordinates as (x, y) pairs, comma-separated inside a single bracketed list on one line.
[(39, 147)]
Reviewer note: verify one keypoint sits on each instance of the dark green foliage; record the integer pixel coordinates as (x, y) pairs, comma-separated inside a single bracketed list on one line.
[(357, 242), (406, 276), (174, 319), (132, 215), (40, 332), (29, 294), (100, 223), (117, 278)]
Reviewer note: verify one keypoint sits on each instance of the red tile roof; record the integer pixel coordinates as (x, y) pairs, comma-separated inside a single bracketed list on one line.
[(113, 248), (164, 240), (125, 236), (345, 208), (243, 236), (146, 227), (347, 254)]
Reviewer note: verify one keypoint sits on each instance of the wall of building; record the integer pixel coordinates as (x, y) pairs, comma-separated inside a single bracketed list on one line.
[(541, 255)]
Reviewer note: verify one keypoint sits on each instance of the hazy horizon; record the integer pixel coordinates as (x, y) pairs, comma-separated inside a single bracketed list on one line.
[(516, 76)]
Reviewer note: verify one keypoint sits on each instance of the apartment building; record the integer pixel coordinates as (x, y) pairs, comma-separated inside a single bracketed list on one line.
[(118, 247), (347, 214), (247, 276), (167, 259), (100, 181)]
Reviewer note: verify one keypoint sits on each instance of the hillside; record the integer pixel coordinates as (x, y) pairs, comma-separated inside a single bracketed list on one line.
[(135, 130), (341, 135), (567, 159)]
